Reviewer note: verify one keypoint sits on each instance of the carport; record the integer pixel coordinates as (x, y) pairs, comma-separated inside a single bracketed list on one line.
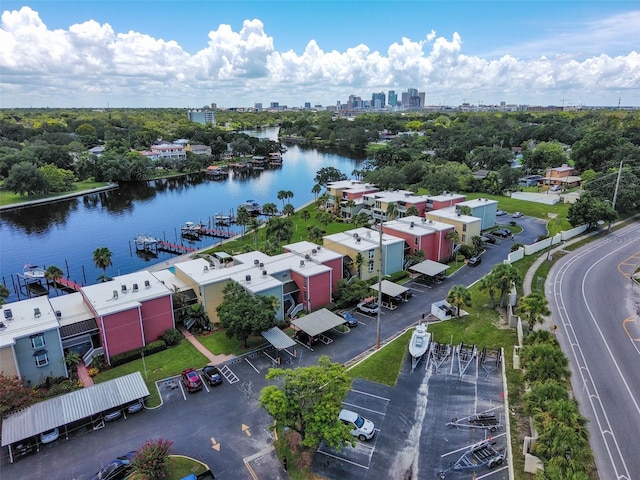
[(392, 291), (318, 322), (430, 270), (62, 410), (280, 341)]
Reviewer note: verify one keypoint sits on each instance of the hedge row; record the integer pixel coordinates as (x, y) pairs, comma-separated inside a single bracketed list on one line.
[(153, 347)]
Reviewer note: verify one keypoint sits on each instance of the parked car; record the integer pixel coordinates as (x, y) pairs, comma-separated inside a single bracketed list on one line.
[(49, 436), (488, 239), (351, 321), (303, 337), (502, 232), (212, 375), (24, 447), (370, 308), (499, 213), (112, 415), (474, 261), (116, 469), (191, 380), (135, 406), (517, 214), (360, 427)]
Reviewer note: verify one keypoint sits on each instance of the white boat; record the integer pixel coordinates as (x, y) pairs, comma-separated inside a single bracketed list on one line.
[(420, 340), (32, 271), (191, 228), (144, 239)]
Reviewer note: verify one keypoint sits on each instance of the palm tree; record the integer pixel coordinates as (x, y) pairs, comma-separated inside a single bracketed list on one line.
[(282, 195), (4, 293), (288, 195), (254, 226), (51, 274), (72, 359), (243, 218), (360, 219), (325, 218), (533, 308), (478, 244), (317, 188), (102, 259), (357, 262), (487, 283), (505, 276), (350, 204), (269, 209), (315, 234), (280, 229), (305, 215), (197, 317), (392, 211), (412, 211), (454, 237), (459, 296), (464, 210), (288, 209)]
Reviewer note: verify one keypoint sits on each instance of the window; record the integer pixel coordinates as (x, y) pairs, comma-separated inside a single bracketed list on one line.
[(464, 227), (371, 267), (37, 341), (371, 254), (416, 241), (464, 238), (304, 282), (41, 358)]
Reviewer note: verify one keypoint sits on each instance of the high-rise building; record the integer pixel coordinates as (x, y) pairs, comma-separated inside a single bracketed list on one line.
[(307, 105), (202, 116), (392, 98), (377, 101), (413, 99), (274, 105), (355, 103), (257, 107)]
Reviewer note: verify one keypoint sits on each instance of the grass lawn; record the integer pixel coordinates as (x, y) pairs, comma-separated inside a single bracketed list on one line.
[(183, 466), (218, 343), (384, 365), (9, 198), (160, 365)]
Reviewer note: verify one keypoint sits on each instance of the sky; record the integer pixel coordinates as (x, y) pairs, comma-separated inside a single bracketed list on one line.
[(235, 53)]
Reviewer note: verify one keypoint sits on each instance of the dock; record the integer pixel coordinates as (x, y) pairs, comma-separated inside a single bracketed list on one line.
[(174, 248), (68, 285)]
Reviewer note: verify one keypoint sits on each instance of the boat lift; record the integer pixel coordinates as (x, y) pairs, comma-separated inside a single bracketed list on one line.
[(465, 355), (486, 421), (478, 455)]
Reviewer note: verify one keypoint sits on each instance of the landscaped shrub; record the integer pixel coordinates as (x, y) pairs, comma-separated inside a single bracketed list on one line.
[(466, 250), (172, 337), (126, 357)]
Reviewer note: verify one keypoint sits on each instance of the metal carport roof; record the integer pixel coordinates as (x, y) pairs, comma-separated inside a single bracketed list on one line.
[(318, 322), (72, 406), (390, 288), (278, 338), (429, 268)]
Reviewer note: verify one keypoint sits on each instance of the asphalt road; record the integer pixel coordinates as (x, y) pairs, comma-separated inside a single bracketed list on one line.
[(225, 427), (595, 306)]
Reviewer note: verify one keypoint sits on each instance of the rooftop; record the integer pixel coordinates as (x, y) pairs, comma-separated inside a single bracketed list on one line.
[(362, 239), (71, 307), (417, 225), (20, 320), (450, 213)]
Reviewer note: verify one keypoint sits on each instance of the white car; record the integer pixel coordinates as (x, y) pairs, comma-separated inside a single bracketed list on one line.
[(517, 214), (360, 427), (49, 436)]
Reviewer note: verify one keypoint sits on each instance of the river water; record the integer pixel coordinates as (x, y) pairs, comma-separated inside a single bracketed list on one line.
[(66, 233)]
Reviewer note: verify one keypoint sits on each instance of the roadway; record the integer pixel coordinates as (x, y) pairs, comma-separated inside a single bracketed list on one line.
[(595, 305)]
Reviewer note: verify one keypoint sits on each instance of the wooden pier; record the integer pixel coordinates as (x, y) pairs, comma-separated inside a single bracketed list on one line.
[(68, 285), (174, 248)]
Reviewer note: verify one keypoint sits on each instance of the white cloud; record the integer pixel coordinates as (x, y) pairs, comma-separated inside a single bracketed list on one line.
[(89, 64)]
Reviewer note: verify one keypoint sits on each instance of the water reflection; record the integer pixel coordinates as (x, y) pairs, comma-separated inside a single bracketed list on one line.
[(48, 216)]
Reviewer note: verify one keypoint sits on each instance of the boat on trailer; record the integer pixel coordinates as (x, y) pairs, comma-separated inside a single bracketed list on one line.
[(419, 344)]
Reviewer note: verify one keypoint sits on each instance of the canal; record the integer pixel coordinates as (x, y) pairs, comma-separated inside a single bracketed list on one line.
[(66, 233)]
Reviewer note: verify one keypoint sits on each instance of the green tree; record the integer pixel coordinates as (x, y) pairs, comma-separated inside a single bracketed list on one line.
[(459, 296), (317, 188), (533, 308), (349, 292), (152, 461), (25, 179), (288, 210), (360, 218), (58, 179), (464, 210), (328, 174), (282, 195), (545, 155), (305, 215), (544, 362), (254, 226), (269, 209), (392, 211), (487, 283), (412, 211), (315, 234), (505, 275), (242, 314), (4, 293), (588, 210), (51, 274), (477, 244), (280, 228), (243, 217), (308, 401), (358, 261), (325, 218), (102, 260), (454, 237)]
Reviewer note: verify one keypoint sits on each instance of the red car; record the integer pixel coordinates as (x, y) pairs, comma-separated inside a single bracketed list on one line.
[(191, 380)]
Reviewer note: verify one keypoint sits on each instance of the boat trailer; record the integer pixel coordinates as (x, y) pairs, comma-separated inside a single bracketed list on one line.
[(490, 360), (439, 353), (465, 354), (486, 421), (481, 454)]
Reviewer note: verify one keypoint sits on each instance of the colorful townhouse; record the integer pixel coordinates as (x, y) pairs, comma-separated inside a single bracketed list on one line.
[(447, 199), (420, 233), (131, 311), (482, 208), (344, 197), (369, 246), (466, 225), (377, 204)]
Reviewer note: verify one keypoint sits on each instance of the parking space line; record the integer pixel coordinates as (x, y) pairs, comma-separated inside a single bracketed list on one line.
[(182, 389), (204, 384), (371, 395), (363, 408), (252, 366), (492, 472), (342, 459)]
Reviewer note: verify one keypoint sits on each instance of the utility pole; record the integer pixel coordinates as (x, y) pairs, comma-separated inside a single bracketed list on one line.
[(615, 192)]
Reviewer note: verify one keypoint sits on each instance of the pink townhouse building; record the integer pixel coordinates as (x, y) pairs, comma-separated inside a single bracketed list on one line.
[(422, 234)]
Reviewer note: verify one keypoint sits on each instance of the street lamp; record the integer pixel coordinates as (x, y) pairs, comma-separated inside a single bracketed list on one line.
[(379, 286)]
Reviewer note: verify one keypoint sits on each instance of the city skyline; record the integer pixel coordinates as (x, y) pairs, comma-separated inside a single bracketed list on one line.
[(237, 54)]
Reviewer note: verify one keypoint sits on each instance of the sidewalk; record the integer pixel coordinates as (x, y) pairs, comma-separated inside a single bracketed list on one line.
[(213, 359), (83, 375)]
